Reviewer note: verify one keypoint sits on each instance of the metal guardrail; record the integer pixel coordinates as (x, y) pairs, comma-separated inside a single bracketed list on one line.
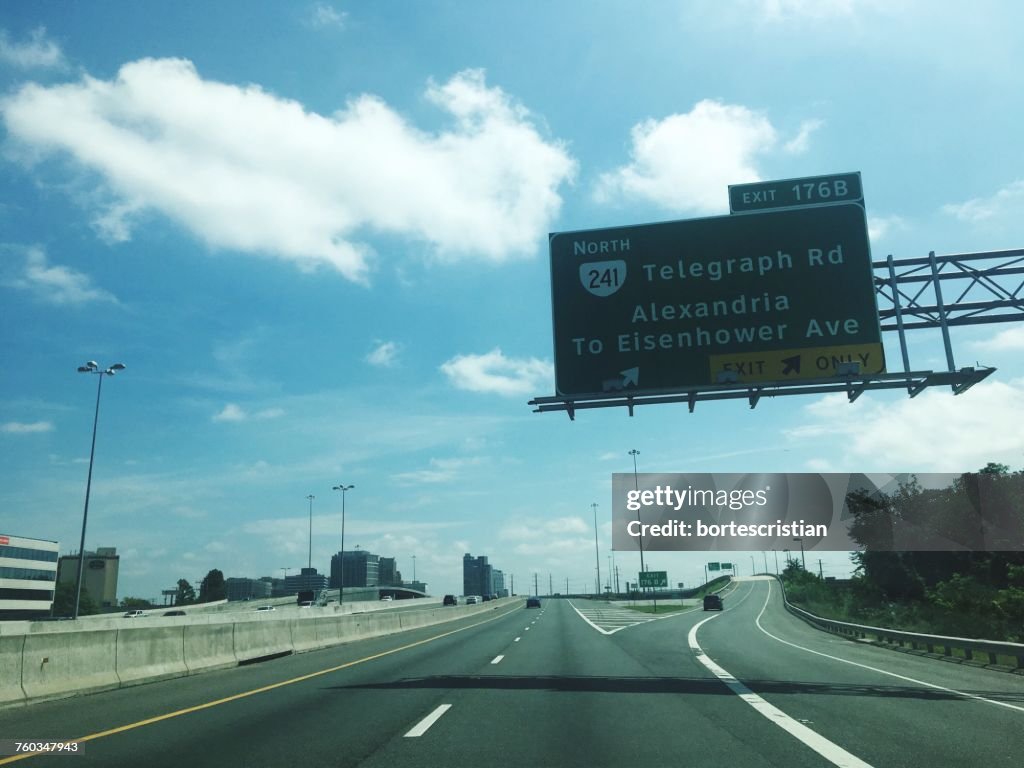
[(917, 641)]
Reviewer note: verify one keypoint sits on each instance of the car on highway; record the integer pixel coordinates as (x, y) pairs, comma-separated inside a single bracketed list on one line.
[(306, 604), (387, 598), (449, 600), (713, 603), (174, 613), (487, 598), (472, 600), (533, 602), (265, 608), (136, 614)]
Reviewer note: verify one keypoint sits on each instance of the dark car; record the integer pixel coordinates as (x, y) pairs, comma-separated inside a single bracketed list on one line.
[(450, 600), (533, 602), (174, 613), (713, 603), (487, 598)]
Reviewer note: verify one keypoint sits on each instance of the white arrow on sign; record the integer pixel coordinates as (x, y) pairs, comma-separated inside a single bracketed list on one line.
[(626, 378)]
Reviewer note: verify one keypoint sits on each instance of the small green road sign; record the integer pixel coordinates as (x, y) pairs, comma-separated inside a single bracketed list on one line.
[(726, 566), (653, 579), (714, 566), (796, 193), (657, 308)]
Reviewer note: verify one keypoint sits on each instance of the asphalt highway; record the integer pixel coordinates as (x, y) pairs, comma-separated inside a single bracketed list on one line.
[(564, 685)]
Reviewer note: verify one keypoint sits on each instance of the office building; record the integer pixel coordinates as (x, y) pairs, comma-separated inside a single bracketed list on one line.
[(362, 569), (387, 572), (477, 575), (28, 576), (248, 589), (305, 580), (99, 578)]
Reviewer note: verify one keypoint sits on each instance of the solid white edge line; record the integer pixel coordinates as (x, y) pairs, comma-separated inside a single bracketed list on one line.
[(421, 727), (875, 669), (827, 749), (497, 658)]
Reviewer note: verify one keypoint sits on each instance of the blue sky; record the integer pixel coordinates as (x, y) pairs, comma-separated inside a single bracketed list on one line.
[(316, 234)]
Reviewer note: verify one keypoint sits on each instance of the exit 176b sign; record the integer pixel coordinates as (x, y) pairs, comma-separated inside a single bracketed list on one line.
[(771, 296)]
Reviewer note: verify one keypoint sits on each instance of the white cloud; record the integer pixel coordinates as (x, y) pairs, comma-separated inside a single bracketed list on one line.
[(1007, 202), (880, 226), (799, 143), (933, 432), (778, 10), (1007, 340), (23, 428), (685, 162), (493, 372), (243, 169), (384, 355), (232, 412), (323, 15), (441, 471), (37, 53), (56, 284)]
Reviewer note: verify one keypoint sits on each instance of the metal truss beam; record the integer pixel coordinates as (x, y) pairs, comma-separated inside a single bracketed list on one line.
[(853, 386)]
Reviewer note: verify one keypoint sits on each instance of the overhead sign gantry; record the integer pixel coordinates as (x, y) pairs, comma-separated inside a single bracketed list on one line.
[(778, 298)]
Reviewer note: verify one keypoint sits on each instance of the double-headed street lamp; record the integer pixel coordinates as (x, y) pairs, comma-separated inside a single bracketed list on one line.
[(90, 367), (636, 487), (341, 564)]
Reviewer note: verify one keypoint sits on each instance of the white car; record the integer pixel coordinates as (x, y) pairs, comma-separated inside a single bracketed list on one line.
[(472, 600), (136, 614)]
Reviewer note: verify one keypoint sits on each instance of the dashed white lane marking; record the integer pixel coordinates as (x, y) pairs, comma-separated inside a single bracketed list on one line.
[(423, 725), (517, 640), (875, 669), (496, 659), (526, 629), (827, 749)]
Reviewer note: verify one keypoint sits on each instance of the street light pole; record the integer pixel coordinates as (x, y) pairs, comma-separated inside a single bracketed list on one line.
[(803, 560), (309, 563), (597, 554), (634, 453), (90, 367), (341, 564)]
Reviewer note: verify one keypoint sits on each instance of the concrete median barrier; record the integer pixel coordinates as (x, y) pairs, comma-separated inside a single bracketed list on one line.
[(209, 646), (304, 635), (145, 654), (11, 657), (57, 664), (261, 637)]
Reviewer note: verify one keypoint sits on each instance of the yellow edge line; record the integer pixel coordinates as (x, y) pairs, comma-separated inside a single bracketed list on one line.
[(235, 697)]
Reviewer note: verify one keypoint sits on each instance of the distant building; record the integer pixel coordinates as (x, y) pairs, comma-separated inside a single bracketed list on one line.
[(498, 583), (28, 576), (248, 589), (99, 578), (477, 575), (387, 572), (419, 586), (306, 579), (362, 569)]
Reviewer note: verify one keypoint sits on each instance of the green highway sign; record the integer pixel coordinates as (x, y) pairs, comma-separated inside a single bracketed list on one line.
[(726, 566), (656, 308), (791, 193), (653, 579), (714, 566)]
